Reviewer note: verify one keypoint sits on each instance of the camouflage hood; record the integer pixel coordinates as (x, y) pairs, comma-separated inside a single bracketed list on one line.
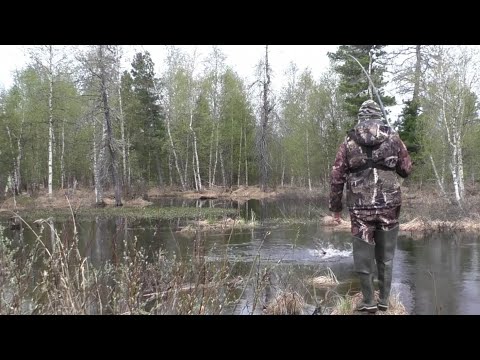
[(369, 110), (370, 132)]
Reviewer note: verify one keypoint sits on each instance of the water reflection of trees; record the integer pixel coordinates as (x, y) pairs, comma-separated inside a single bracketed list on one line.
[(442, 263)]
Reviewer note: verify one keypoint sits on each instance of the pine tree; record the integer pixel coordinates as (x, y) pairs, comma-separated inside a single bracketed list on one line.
[(408, 125), (147, 114), (353, 82)]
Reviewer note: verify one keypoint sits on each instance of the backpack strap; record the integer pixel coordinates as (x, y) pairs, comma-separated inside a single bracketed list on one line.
[(370, 163)]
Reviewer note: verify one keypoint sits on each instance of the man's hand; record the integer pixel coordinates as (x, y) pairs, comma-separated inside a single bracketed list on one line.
[(337, 218)]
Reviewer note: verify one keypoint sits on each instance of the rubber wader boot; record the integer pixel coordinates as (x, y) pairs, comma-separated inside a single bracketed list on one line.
[(364, 262), (385, 244)]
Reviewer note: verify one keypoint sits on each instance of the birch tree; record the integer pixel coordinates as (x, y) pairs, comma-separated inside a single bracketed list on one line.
[(13, 119), (450, 111), (174, 73), (215, 68), (49, 58), (25, 129), (236, 127)]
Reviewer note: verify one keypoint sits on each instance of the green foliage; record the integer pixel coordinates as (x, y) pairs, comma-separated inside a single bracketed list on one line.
[(311, 110), (236, 122), (448, 121), (25, 114), (306, 127), (353, 82), (407, 125), (144, 116)]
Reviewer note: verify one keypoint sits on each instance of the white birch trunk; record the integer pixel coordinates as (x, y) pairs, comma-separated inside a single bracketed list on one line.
[(129, 172), (96, 169), (211, 176), (461, 176), (122, 134), (18, 174), (14, 186), (195, 179), (455, 183), (453, 138), (170, 170), (240, 157), (216, 154), (439, 180), (195, 153), (246, 160), (50, 121), (308, 165), (62, 157), (174, 153), (185, 167), (222, 168), (210, 159)]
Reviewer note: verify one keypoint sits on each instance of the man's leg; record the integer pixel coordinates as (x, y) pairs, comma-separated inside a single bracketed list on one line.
[(386, 242), (364, 257)]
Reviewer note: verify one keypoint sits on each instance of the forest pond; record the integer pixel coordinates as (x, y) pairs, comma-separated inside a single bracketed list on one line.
[(434, 274)]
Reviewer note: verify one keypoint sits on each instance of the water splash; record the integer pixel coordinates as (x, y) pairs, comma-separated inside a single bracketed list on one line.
[(330, 252)]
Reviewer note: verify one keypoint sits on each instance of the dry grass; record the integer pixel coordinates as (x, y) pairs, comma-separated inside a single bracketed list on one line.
[(329, 221), (52, 277), (241, 193), (78, 199), (286, 303), (138, 202), (327, 280), (421, 224), (345, 305), (225, 224)]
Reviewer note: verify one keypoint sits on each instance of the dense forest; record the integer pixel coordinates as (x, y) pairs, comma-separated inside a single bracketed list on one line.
[(76, 117)]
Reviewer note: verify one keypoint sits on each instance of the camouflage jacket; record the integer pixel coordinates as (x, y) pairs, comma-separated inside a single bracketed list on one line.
[(368, 161)]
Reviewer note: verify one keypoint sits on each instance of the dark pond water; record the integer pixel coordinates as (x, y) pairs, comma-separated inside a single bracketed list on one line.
[(438, 274)]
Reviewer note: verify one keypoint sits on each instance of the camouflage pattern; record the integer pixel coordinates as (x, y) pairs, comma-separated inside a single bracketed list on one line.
[(369, 111), (365, 222), (375, 187)]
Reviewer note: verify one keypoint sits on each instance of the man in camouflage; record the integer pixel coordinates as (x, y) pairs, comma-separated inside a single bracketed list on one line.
[(368, 161)]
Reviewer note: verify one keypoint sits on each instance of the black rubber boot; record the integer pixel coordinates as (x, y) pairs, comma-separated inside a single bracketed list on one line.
[(385, 244), (364, 262)]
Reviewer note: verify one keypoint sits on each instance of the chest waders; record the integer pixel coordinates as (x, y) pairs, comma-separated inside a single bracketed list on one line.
[(365, 255), (385, 244), (364, 263)]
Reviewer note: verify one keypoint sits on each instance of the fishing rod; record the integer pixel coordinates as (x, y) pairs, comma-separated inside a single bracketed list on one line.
[(373, 87)]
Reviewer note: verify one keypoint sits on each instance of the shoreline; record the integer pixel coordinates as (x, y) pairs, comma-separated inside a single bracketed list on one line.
[(421, 213)]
